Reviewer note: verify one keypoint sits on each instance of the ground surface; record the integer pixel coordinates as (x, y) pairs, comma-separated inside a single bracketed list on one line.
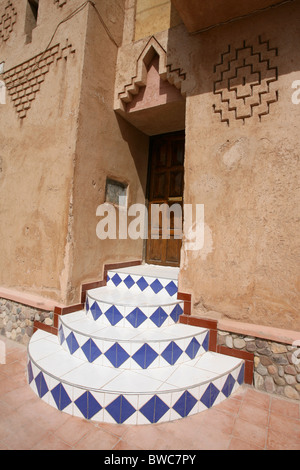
[(248, 420)]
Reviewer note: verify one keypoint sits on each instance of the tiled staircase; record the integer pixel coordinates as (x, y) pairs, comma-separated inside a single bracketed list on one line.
[(125, 358)]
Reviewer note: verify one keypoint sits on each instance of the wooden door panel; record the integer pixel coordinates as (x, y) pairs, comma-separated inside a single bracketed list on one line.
[(155, 251), (173, 252), (177, 153), (159, 190), (166, 187), (176, 183)]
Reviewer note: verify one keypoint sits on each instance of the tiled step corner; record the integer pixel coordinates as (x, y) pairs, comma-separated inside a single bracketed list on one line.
[(109, 395)]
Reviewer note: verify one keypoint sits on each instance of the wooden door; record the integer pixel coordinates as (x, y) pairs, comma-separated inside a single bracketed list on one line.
[(165, 187)]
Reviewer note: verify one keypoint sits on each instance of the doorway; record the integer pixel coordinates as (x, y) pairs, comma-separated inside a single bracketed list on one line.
[(165, 186)]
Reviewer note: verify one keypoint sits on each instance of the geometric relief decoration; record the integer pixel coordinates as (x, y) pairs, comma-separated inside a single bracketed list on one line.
[(167, 72), (7, 20), (24, 81), (242, 82)]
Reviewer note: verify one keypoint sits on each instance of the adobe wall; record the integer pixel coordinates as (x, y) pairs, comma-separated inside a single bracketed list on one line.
[(242, 156), (60, 140), (242, 163), (38, 127), (107, 147)]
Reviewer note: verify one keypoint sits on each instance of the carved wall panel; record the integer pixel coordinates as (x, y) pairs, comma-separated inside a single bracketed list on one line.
[(242, 82), (174, 76), (24, 81), (8, 18)]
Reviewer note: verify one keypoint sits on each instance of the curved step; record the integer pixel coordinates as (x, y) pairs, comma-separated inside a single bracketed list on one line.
[(111, 395), (145, 278), (113, 306), (126, 348)]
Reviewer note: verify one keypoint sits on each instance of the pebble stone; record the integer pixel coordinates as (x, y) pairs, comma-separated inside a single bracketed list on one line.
[(16, 320), (276, 365)]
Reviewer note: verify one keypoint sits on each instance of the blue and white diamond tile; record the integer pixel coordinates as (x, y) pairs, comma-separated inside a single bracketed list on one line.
[(176, 311), (60, 396), (117, 355), (136, 316), (105, 313), (145, 356), (159, 315), (88, 404), (134, 349), (96, 311), (91, 350), (156, 286), (172, 353), (184, 403), (155, 408), (115, 279), (120, 408), (142, 283)]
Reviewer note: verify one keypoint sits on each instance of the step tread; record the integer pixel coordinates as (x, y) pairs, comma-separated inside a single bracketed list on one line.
[(130, 298), (80, 323), (46, 353), (150, 270)]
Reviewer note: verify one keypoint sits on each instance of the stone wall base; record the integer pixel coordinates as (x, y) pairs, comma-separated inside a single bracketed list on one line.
[(276, 365), (16, 320)]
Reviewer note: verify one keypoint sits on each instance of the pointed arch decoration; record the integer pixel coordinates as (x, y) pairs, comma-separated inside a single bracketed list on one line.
[(175, 76)]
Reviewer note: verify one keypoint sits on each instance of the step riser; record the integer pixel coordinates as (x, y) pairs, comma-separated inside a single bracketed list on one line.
[(146, 317), (145, 284), (107, 407), (132, 354)]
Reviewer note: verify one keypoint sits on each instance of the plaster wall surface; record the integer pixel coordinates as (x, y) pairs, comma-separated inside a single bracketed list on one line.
[(241, 162), (37, 150), (246, 173), (153, 16), (107, 147)]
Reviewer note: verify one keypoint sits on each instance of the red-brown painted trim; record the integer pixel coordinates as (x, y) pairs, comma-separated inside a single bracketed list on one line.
[(69, 309), (184, 296), (41, 326), (187, 305), (91, 285), (203, 323), (245, 355), (107, 267), (58, 311), (125, 264)]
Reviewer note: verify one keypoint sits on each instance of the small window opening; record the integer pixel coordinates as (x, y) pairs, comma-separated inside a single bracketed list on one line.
[(31, 18), (116, 193)]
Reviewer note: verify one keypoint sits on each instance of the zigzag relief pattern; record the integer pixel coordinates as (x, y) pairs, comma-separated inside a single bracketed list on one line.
[(7, 20), (24, 81), (174, 76), (243, 82)]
